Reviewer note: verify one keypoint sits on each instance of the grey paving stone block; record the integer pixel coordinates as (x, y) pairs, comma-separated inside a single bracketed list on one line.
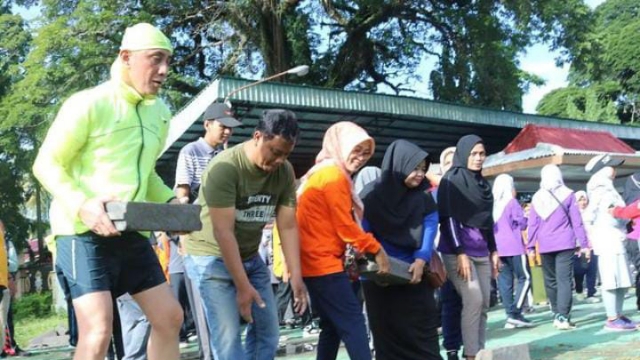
[(515, 352), (49, 339), (398, 272), (139, 216)]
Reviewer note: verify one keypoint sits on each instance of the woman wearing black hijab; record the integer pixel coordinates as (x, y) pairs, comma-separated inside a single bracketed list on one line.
[(467, 243), (403, 218)]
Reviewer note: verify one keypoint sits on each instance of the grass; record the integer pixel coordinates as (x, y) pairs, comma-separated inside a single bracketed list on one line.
[(30, 327)]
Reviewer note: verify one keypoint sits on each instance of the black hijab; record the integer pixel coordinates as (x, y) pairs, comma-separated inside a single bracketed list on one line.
[(632, 188), (394, 211), (464, 194)]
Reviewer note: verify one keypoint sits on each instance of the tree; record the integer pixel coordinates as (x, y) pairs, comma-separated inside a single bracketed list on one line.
[(349, 44), (479, 65), (594, 103), (14, 45), (606, 65)]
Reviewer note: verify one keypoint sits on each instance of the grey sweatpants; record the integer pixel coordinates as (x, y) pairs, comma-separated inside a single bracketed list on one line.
[(475, 300)]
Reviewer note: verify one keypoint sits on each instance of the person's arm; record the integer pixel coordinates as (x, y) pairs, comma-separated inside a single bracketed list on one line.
[(223, 220), (455, 236), (430, 226), (337, 194), (290, 244), (185, 173), (490, 237), (423, 254), (158, 191), (628, 212), (533, 225), (576, 223), (518, 219), (14, 263), (65, 139)]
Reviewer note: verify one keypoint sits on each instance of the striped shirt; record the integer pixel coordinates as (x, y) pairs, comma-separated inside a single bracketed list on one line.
[(192, 161)]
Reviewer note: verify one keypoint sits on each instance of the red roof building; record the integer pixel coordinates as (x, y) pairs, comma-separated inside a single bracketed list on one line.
[(576, 139)]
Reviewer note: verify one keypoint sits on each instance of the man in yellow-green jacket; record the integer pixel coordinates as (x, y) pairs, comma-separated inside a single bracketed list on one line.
[(103, 146)]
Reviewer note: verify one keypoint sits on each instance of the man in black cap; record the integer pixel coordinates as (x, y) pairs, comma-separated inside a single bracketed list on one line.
[(194, 157), (192, 160)]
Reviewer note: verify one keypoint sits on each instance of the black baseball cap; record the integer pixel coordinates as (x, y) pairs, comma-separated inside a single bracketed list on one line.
[(598, 162), (222, 114)]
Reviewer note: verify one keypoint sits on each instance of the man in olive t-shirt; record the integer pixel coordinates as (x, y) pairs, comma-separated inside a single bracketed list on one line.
[(242, 189)]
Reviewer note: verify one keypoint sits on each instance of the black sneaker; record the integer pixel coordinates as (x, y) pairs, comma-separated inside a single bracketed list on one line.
[(452, 355)]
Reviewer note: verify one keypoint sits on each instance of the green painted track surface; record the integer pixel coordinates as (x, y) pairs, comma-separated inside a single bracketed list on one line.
[(588, 342)]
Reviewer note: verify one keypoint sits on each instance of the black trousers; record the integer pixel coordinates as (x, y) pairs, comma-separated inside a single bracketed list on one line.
[(403, 321), (557, 268)]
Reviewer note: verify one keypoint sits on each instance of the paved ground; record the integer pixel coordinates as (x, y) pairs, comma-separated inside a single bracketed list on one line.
[(588, 342)]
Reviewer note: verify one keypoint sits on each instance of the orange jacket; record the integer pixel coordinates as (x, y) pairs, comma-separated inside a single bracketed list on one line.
[(326, 223)]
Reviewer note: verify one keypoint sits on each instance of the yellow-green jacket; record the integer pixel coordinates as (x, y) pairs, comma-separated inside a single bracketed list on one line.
[(103, 142)]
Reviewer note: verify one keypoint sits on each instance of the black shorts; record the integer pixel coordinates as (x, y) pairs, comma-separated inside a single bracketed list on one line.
[(87, 263)]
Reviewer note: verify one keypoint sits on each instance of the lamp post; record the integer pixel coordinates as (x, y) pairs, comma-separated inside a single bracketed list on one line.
[(300, 70)]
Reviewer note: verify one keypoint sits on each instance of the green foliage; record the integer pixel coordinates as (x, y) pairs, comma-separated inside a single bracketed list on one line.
[(606, 68), (479, 63), (27, 329), (33, 306), (595, 103), (349, 44)]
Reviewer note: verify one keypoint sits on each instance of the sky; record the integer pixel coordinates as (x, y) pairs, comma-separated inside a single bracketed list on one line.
[(537, 60), (540, 61)]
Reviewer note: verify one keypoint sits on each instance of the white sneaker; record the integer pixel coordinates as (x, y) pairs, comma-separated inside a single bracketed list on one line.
[(562, 323)]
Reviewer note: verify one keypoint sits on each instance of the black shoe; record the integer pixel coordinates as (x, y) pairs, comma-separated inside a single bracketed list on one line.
[(452, 355), (19, 352)]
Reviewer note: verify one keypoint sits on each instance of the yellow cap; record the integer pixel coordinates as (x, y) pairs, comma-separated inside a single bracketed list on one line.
[(144, 36)]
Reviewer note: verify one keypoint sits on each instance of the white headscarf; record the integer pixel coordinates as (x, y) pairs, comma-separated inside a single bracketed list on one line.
[(502, 194), (600, 186), (550, 183), (366, 176)]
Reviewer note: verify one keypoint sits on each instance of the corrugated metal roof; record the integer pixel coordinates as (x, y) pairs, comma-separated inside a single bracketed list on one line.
[(430, 124), (543, 150), (296, 96), (582, 139)]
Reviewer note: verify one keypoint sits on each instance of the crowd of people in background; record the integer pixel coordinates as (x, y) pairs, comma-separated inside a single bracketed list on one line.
[(222, 289)]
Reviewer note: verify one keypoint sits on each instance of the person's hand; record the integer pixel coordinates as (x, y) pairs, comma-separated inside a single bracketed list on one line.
[(464, 267), (92, 213), (532, 257), (495, 264), (587, 254), (179, 201), (299, 295), (245, 297), (612, 209), (182, 200), (285, 276), (383, 262), (417, 269)]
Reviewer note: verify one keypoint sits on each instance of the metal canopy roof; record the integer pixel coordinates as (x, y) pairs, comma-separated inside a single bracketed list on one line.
[(524, 166), (430, 124)]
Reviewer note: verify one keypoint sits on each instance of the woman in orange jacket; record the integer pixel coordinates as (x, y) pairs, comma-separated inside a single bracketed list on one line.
[(329, 213)]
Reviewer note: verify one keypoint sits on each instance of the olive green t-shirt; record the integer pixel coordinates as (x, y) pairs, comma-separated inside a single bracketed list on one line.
[(232, 180)]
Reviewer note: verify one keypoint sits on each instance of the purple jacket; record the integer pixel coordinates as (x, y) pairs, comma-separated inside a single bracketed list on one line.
[(456, 238), (557, 233), (508, 230)]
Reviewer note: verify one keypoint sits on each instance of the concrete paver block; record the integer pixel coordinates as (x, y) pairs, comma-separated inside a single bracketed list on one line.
[(139, 216), (398, 272), (515, 352)]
